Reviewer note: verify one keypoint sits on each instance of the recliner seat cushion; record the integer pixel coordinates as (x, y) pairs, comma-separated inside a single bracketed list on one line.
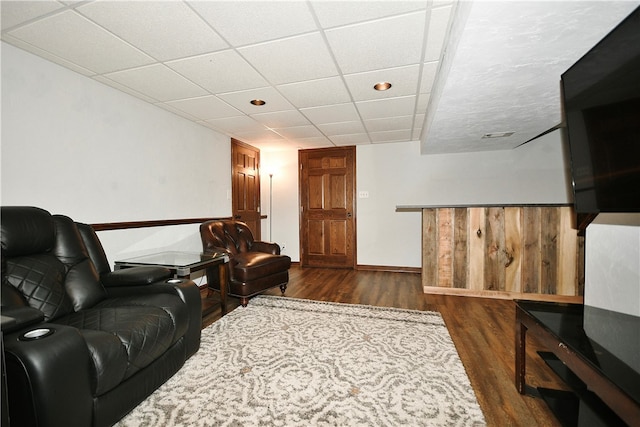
[(255, 265), (143, 334), (174, 307)]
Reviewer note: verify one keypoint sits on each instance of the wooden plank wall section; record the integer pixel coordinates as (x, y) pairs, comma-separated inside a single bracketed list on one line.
[(528, 252)]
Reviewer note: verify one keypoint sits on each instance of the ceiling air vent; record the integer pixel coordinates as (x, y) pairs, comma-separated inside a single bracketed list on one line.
[(497, 135)]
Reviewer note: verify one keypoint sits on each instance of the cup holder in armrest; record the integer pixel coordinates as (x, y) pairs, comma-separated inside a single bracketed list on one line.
[(36, 334)]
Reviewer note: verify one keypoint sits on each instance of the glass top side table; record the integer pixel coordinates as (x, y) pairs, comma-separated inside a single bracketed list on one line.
[(182, 264)]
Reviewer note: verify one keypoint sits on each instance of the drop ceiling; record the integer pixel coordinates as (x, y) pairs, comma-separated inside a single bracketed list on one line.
[(459, 70)]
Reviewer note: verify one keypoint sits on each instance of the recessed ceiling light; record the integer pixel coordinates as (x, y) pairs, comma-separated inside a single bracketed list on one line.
[(497, 135), (382, 86), (258, 102)]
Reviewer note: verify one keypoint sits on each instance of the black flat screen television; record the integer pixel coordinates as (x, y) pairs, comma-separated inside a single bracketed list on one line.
[(601, 105)]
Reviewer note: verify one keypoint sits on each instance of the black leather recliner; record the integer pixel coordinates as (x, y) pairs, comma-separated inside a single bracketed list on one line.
[(83, 345)]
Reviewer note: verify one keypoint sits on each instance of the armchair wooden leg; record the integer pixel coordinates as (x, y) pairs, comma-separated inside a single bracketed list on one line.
[(244, 301), (283, 288)]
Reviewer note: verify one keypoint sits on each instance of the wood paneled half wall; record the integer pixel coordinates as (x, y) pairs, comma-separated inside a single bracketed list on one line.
[(527, 252)]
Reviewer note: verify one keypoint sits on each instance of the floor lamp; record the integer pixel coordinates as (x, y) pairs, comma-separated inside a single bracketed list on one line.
[(270, 205)]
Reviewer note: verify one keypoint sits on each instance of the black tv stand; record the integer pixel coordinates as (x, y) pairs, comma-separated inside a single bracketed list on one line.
[(606, 396)]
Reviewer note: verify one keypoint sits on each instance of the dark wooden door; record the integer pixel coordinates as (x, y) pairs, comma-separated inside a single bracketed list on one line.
[(245, 185), (327, 199)]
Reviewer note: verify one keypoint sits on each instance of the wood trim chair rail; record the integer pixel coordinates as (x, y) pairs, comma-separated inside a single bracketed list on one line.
[(151, 223)]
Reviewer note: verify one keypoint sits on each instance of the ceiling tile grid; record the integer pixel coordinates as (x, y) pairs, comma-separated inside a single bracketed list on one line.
[(458, 69), (314, 62)]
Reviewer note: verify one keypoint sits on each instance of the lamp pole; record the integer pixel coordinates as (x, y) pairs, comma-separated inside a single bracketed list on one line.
[(270, 205)]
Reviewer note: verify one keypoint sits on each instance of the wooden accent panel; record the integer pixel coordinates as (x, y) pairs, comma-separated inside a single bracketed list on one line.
[(460, 242), (514, 250)]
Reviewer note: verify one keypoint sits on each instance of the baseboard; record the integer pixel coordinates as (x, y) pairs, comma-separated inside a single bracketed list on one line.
[(386, 268), (392, 269), (502, 294)]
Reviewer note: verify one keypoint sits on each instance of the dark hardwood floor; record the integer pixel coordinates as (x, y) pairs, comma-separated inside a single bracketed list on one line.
[(482, 329)]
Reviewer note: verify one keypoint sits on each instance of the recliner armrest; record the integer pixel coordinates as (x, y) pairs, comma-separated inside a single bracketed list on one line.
[(135, 276), (15, 318), (39, 368)]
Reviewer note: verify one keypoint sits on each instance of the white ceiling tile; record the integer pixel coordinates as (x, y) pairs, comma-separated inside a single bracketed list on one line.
[(180, 113), (263, 135), (241, 100), (404, 81), (158, 82), (429, 70), (316, 92), (209, 125), (337, 13), (239, 124), (205, 107), (314, 142), (342, 128), (247, 22), (390, 136), (46, 55), (307, 131), (281, 119), (273, 145), (353, 139), (390, 123), (381, 108), (156, 27), (219, 72), (78, 40), (331, 113), (436, 34), (17, 12), (124, 89), (385, 43), (288, 60)]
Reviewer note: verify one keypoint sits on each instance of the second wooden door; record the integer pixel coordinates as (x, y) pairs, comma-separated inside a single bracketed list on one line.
[(327, 220)]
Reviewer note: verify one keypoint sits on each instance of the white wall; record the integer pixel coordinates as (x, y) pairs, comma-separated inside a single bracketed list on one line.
[(396, 174), (285, 219), (612, 285), (612, 263), (76, 147)]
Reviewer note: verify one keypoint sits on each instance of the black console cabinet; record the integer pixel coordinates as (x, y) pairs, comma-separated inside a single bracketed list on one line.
[(606, 391)]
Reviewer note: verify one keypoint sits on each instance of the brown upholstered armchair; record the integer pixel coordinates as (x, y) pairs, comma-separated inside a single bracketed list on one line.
[(254, 266)]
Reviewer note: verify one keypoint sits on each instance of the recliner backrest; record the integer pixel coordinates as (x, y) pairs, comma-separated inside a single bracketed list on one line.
[(234, 236), (46, 261), (94, 248), (82, 281)]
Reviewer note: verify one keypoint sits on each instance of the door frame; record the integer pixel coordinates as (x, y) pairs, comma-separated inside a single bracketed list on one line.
[(234, 202), (353, 198)]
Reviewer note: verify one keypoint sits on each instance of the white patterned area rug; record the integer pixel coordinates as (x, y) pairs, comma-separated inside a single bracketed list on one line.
[(292, 362)]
